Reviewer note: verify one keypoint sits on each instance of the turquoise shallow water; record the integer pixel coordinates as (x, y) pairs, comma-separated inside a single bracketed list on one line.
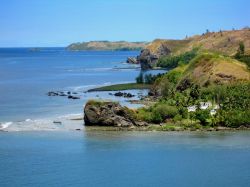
[(125, 159)]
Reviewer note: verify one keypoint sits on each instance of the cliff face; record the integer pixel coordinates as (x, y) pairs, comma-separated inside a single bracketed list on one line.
[(225, 42), (106, 45), (150, 55)]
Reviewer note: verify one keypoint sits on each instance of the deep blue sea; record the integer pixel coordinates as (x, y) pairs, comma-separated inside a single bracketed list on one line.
[(37, 152), (188, 159)]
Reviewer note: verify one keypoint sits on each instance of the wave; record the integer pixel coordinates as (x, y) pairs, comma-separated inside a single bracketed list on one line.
[(81, 88), (89, 69), (87, 87), (5, 125), (65, 122)]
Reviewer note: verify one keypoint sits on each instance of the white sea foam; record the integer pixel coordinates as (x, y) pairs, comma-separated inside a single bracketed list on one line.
[(81, 88), (45, 124), (89, 69), (5, 125)]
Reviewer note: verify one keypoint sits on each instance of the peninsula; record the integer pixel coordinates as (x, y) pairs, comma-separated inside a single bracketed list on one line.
[(107, 46), (207, 86)]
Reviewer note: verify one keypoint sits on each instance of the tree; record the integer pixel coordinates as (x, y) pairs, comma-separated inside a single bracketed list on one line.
[(241, 48), (203, 116), (195, 92), (240, 51), (221, 34), (140, 79)]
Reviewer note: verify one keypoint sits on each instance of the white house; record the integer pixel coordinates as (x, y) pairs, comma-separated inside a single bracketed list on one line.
[(192, 108), (212, 112), (205, 105)]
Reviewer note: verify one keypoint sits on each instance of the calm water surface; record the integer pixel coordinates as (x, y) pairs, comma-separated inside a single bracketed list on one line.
[(56, 157), (27, 76), (124, 159)]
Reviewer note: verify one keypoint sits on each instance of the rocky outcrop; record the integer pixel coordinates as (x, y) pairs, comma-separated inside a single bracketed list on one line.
[(101, 113), (63, 94), (107, 114), (132, 60), (123, 94), (149, 59)]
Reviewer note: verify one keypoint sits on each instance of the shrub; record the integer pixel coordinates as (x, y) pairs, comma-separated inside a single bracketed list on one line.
[(244, 58), (177, 118), (174, 76), (174, 61), (203, 116), (156, 117), (234, 118), (183, 112), (139, 79), (150, 79), (147, 78), (144, 115), (165, 111)]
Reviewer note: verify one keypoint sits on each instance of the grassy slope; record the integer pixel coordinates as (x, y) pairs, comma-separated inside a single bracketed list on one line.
[(206, 68), (225, 42), (173, 45), (105, 45), (216, 69), (119, 87)]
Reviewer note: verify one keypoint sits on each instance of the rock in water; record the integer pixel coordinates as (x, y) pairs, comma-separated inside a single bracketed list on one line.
[(132, 60), (99, 113)]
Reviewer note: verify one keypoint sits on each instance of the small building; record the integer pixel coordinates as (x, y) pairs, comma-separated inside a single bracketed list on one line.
[(205, 105), (192, 108), (212, 112)]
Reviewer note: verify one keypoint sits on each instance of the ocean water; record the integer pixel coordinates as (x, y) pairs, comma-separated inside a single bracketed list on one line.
[(125, 159), (27, 76), (37, 152)]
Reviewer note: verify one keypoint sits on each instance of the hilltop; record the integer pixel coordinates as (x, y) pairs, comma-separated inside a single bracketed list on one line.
[(107, 45), (204, 70), (207, 85), (223, 42)]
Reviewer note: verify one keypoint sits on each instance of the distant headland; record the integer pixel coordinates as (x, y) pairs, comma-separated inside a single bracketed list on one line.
[(107, 46)]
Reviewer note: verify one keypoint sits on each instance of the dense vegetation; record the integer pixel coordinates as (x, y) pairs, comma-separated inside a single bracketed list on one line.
[(241, 56), (147, 78), (177, 91), (174, 61)]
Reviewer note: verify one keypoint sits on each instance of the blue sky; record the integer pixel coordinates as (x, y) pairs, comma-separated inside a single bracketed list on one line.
[(61, 22)]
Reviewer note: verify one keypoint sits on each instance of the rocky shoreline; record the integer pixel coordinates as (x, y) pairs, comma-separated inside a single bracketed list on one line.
[(111, 116), (158, 128)]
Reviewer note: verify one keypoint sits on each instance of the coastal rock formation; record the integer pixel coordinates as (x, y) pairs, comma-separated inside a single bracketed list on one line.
[(121, 94), (225, 42), (148, 59), (98, 113), (132, 60), (63, 94)]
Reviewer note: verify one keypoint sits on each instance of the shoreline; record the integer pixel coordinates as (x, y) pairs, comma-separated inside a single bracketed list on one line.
[(133, 129), (158, 128), (121, 87)]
